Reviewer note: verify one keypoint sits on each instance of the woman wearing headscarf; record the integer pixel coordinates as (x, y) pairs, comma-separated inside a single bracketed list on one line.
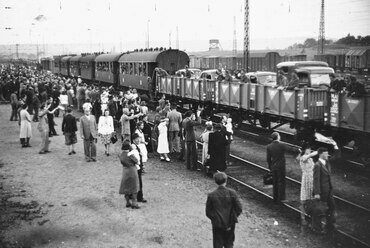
[(130, 178)]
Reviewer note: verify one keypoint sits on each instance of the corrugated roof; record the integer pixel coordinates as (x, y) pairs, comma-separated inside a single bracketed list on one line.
[(88, 58), (111, 57), (76, 58), (359, 51), (148, 56)]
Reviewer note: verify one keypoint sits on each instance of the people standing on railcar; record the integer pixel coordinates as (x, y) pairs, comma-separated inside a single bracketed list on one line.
[(106, 129), (25, 132), (323, 188), (187, 72), (276, 162), (163, 148), (191, 148), (223, 208), (282, 80), (88, 132), (294, 81), (69, 129), (175, 120)]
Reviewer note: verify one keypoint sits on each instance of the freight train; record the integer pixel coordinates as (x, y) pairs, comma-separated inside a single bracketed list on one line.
[(307, 108), (354, 60)]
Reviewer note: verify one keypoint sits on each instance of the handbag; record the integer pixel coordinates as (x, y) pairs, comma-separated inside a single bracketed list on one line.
[(113, 138), (316, 207), (267, 179)]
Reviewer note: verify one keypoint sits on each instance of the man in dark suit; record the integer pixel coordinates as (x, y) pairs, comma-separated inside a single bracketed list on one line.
[(223, 208), (175, 120), (276, 162), (217, 144), (89, 135), (191, 148), (323, 188)]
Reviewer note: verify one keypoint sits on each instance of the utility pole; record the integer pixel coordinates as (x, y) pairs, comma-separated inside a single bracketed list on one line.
[(246, 35), (321, 39), (169, 39), (16, 50), (177, 37), (147, 33), (234, 38)]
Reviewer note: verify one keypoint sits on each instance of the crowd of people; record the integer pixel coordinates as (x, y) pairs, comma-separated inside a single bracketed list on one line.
[(38, 96)]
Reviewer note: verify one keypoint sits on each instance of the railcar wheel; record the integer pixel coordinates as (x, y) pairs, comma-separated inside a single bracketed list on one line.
[(265, 121)]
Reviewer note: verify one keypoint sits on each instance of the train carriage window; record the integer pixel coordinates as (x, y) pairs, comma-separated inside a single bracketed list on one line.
[(136, 70), (131, 68), (140, 69), (123, 68), (145, 73)]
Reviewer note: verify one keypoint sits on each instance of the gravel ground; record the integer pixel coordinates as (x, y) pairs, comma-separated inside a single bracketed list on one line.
[(56, 200)]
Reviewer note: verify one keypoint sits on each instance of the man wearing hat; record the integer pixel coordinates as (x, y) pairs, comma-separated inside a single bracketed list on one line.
[(276, 162), (88, 131)]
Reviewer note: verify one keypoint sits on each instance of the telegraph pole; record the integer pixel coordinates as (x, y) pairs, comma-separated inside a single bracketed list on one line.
[(321, 39), (234, 38), (246, 35)]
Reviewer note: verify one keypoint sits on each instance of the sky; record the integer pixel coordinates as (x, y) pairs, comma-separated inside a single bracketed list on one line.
[(274, 24)]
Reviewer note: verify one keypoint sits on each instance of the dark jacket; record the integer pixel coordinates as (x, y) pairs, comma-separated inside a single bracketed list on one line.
[(188, 127), (69, 124), (223, 207), (217, 150), (322, 184), (276, 155)]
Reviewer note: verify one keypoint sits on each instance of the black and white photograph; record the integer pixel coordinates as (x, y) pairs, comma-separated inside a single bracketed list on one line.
[(177, 124)]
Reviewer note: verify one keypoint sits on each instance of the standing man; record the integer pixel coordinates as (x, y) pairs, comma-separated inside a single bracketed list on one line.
[(323, 188), (14, 103), (69, 129), (276, 162), (175, 120), (191, 148), (89, 135), (223, 208)]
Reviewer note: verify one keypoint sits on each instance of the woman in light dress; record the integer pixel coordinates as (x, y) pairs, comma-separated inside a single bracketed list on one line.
[(142, 145), (307, 164), (105, 130), (163, 149), (204, 138), (25, 132)]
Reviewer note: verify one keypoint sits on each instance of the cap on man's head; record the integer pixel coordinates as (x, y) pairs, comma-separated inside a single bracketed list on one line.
[(275, 135), (220, 178)]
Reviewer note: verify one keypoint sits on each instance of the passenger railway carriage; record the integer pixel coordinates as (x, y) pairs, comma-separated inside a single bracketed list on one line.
[(74, 66)]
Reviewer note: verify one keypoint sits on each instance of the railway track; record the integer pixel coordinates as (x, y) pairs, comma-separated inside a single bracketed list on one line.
[(352, 220)]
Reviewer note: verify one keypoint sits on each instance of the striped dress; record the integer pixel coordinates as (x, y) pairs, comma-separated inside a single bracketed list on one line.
[(307, 165)]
